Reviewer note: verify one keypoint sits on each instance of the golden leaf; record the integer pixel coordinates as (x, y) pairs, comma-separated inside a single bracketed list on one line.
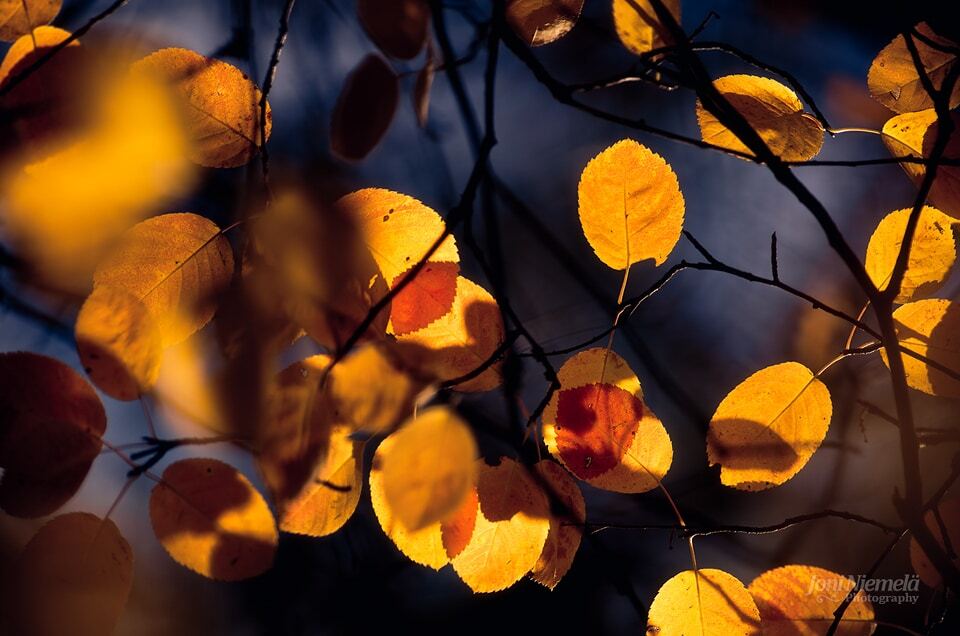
[(539, 22), (706, 602), (640, 31), (932, 329), (893, 79), (768, 427), (772, 109), (563, 540), (631, 208), (211, 519), (20, 17)]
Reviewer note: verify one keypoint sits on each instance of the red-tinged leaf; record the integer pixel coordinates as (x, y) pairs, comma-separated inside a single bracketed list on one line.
[(364, 109), (424, 299), (456, 531)]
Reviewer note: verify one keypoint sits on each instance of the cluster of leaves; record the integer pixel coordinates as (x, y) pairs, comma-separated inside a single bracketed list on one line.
[(374, 279)]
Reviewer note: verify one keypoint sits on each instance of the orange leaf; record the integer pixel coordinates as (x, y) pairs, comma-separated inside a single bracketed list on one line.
[(425, 298)]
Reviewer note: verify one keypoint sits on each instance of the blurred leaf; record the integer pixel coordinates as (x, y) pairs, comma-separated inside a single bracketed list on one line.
[(397, 27), (948, 511), (539, 22), (364, 109)]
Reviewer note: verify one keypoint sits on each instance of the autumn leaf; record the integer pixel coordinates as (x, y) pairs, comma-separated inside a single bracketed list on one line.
[(640, 31), (511, 528), (73, 577), (631, 208), (932, 252), (768, 427), (932, 329), (707, 602), (429, 468), (599, 427), (397, 27), (539, 22), (772, 109), (49, 433), (20, 17), (422, 87), (567, 517), (221, 106), (948, 512), (802, 599), (364, 109), (176, 265), (210, 519), (893, 79)]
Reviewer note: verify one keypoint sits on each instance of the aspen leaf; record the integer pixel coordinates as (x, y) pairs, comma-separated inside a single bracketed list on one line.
[(893, 79), (20, 17), (175, 264), (429, 468), (397, 27), (221, 106), (932, 329), (119, 343), (707, 602), (768, 427), (640, 31), (511, 528), (796, 600), (563, 540), (460, 341), (539, 22), (73, 577), (949, 513), (457, 529), (773, 110), (418, 305), (364, 109), (49, 433), (211, 519), (903, 136), (932, 253), (598, 426), (631, 208)]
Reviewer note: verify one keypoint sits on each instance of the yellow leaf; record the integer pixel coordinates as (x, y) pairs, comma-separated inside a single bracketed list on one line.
[(73, 577), (893, 79), (177, 265), (799, 600), (903, 135), (19, 17), (23, 48), (932, 253), (949, 513), (364, 108), (631, 208), (50, 433), (429, 468), (599, 427), (640, 31), (772, 109), (460, 341), (211, 519), (511, 528), (932, 329), (768, 427), (221, 105), (707, 603), (539, 22), (397, 27), (119, 343), (563, 540)]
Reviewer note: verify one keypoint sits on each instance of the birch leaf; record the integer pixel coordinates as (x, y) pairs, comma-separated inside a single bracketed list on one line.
[(893, 79), (932, 329), (568, 514), (640, 31), (707, 602)]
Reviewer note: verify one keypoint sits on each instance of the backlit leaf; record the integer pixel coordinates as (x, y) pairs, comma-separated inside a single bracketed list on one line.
[(221, 105), (19, 17), (49, 433), (772, 109), (511, 528), (949, 514), (175, 264), (932, 329), (568, 514), (893, 79), (364, 109), (429, 468), (397, 27), (796, 600), (640, 31), (932, 253), (539, 22), (211, 519), (73, 577), (631, 208), (598, 426), (768, 427), (707, 603)]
